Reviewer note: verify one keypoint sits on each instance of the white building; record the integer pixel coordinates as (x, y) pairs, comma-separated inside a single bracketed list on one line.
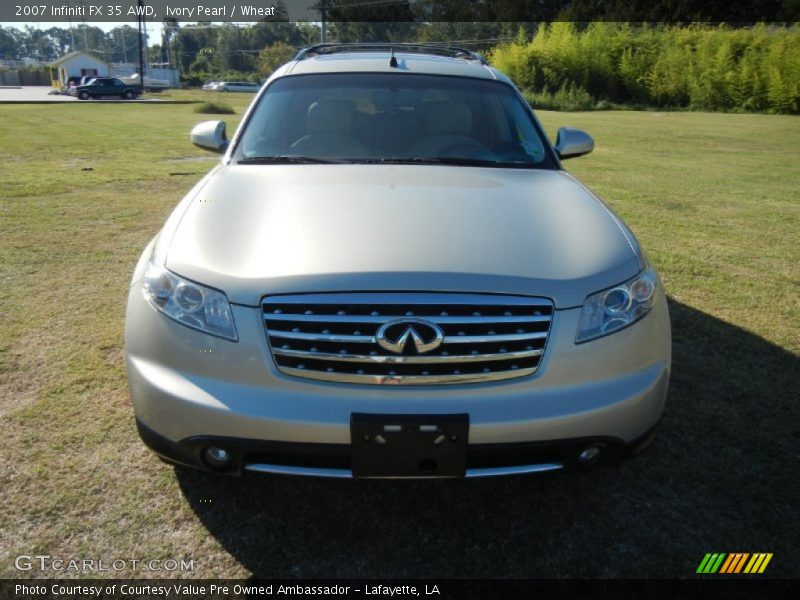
[(78, 64)]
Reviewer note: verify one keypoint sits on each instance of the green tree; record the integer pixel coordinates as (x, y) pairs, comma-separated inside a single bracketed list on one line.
[(9, 43), (273, 56), (203, 63), (189, 41), (124, 43)]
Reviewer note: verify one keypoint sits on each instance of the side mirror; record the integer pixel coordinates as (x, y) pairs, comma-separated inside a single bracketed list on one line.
[(573, 142), (210, 135)]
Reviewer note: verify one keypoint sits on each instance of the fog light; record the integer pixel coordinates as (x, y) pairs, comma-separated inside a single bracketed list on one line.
[(589, 455), (216, 458)]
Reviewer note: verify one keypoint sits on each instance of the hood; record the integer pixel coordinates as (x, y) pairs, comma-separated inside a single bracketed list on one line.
[(252, 230)]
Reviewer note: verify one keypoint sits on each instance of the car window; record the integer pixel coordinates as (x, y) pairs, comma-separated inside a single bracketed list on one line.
[(393, 117)]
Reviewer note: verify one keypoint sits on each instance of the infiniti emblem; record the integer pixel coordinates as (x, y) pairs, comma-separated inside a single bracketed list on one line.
[(424, 335)]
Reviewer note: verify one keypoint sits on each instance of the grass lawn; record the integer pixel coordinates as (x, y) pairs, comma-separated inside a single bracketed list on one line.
[(715, 200)]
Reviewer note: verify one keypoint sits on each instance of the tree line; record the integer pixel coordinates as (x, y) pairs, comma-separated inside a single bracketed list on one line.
[(699, 67), (562, 65), (45, 45), (204, 51)]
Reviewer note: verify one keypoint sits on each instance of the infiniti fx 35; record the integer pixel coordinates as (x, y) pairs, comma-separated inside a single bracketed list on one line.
[(390, 274)]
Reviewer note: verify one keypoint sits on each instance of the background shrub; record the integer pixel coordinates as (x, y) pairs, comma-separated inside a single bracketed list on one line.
[(702, 67), (214, 108)]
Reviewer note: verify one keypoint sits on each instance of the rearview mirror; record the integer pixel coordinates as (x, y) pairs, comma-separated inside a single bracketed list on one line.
[(210, 135), (573, 142)]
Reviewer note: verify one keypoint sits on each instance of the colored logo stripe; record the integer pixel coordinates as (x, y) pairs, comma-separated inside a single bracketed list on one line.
[(727, 564), (721, 562), (734, 563), (758, 563), (711, 563)]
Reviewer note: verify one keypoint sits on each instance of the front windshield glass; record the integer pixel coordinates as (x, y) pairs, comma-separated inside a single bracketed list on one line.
[(372, 117)]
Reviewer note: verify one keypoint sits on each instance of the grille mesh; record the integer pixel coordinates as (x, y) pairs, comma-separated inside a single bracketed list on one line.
[(332, 337)]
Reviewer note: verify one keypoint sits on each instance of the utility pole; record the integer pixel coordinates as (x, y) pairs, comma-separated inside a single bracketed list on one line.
[(122, 32), (85, 43), (141, 49), (323, 13)]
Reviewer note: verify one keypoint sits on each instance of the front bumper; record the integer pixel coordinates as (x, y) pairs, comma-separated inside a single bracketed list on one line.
[(190, 390), (334, 460)]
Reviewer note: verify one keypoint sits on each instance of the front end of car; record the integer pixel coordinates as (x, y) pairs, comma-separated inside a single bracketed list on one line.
[(280, 386)]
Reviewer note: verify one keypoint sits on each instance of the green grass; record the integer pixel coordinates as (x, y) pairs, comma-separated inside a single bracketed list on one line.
[(714, 199)]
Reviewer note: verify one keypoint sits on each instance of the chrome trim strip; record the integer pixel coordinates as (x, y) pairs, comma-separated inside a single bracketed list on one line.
[(323, 337), (407, 360), (380, 319), (347, 474), (515, 470), (451, 298), (407, 379), (366, 339), (292, 470), (488, 339)]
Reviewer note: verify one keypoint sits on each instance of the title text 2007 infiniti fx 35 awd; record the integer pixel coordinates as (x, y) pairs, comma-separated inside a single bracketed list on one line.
[(389, 274)]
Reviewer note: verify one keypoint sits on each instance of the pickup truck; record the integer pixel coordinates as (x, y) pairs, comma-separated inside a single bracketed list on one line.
[(106, 86)]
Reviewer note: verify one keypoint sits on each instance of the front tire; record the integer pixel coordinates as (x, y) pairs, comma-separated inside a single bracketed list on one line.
[(128, 95), (84, 95)]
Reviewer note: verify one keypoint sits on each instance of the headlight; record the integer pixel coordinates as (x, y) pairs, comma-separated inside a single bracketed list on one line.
[(189, 303), (612, 309)]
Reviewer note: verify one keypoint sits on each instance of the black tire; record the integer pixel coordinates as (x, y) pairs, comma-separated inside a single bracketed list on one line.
[(128, 95), (84, 95)]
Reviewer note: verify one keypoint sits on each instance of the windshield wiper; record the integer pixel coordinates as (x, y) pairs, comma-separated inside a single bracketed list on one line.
[(288, 160), (447, 160), (417, 160)]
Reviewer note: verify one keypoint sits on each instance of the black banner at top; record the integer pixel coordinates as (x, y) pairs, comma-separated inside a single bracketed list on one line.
[(524, 11)]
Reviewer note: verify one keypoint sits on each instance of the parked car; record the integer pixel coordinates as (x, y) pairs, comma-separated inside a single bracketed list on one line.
[(106, 86), (211, 85), (237, 86), (390, 274)]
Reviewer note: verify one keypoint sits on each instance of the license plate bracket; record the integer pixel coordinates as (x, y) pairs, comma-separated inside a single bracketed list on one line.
[(409, 445)]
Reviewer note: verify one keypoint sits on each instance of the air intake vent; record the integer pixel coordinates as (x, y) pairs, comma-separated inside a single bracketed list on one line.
[(405, 338)]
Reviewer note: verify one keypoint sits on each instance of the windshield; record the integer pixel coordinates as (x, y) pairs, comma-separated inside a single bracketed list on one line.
[(396, 118)]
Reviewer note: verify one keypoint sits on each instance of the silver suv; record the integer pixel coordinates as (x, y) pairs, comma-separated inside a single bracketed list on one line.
[(389, 274)]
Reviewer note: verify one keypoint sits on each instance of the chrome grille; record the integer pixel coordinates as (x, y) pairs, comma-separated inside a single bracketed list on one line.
[(332, 337)]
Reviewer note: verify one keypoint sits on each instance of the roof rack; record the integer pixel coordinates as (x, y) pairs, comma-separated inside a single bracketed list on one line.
[(439, 50)]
